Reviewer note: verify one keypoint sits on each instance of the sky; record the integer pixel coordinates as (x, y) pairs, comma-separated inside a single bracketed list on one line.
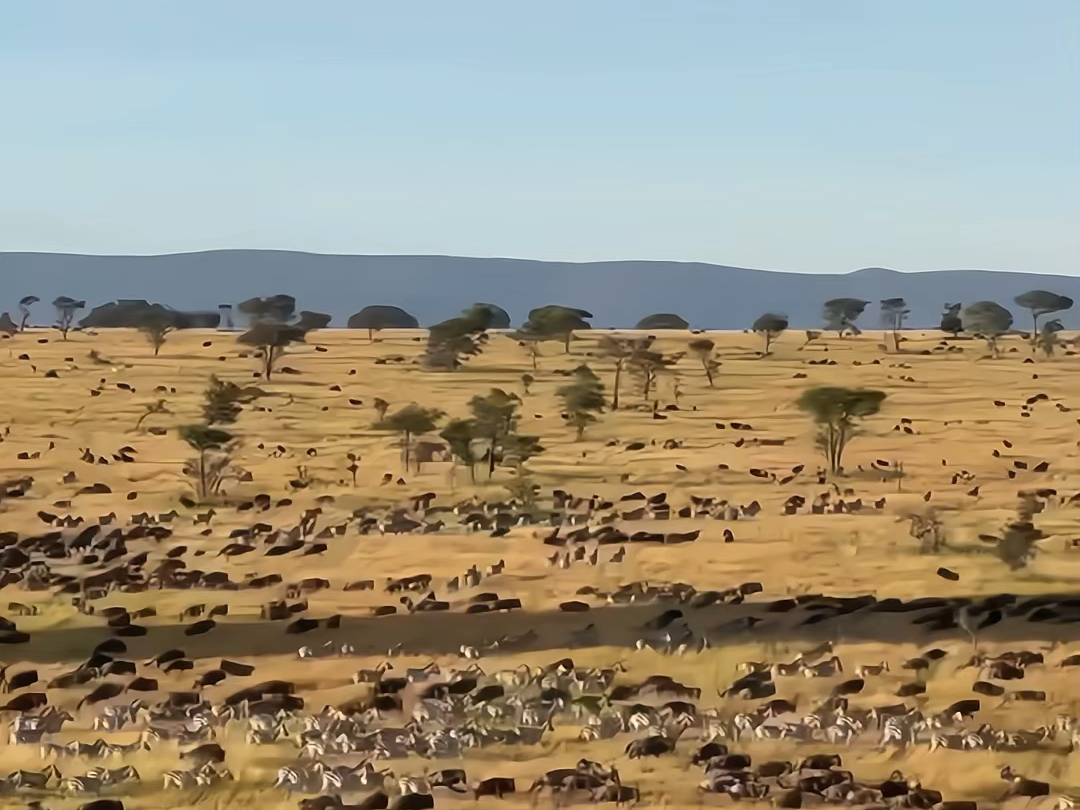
[(805, 135)]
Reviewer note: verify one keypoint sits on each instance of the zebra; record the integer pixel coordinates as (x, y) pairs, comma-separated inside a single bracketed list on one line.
[(34, 780), (303, 779)]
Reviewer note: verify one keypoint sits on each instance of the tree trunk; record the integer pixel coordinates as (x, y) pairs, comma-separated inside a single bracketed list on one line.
[(768, 341), (615, 396), (202, 475), (566, 345), (491, 458), (406, 450), (268, 362), (708, 372)]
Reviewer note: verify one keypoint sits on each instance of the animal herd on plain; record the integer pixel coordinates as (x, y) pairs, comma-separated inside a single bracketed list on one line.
[(364, 750)]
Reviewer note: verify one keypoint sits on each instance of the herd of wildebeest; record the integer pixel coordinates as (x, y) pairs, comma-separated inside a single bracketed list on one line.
[(413, 711), (368, 748)]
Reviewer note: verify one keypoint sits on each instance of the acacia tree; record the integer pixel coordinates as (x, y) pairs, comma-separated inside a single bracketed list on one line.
[(988, 319), (835, 411), (380, 316), (555, 322), (770, 326), (155, 324), (212, 467), (702, 350), (459, 435), (412, 420), (452, 341), (841, 313), (24, 307), (646, 364), (582, 399), (1047, 339), (495, 419), (893, 312), (65, 313), (1041, 302), (618, 351), (275, 309), (662, 320), (271, 339), (950, 320)]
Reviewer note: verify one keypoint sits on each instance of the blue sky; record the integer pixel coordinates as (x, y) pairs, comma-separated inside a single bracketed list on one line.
[(819, 136)]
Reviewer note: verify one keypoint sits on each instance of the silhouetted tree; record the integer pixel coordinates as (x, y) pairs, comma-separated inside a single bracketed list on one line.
[(24, 307), (497, 317), (835, 411), (412, 420), (1047, 339), (702, 350), (1041, 302), (950, 320), (495, 417), (555, 322), (381, 316), (645, 363), (452, 341), (618, 350), (310, 321), (65, 313), (459, 435), (526, 382), (582, 399), (277, 309), (155, 324), (211, 468), (271, 339), (988, 319), (893, 312), (770, 326), (841, 313), (662, 320)]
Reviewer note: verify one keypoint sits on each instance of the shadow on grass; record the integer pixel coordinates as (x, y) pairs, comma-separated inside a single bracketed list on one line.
[(615, 626)]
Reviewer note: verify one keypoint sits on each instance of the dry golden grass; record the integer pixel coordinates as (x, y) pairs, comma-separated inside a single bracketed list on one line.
[(948, 398)]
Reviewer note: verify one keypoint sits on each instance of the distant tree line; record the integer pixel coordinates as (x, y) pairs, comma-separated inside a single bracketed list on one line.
[(273, 323)]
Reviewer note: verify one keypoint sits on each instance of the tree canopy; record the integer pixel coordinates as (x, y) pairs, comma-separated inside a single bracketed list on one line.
[(381, 316), (662, 320), (835, 410), (841, 313), (275, 309), (271, 338), (582, 399), (770, 326), (555, 322), (989, 319), (1039, 303)]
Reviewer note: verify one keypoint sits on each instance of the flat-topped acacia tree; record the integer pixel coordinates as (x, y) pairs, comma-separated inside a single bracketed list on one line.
[(836, 411), (271, 339), (412, 420), (988, 319), (770, 326)]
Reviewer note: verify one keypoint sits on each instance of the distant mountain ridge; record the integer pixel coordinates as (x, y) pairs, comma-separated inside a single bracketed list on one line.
[(618, 293)]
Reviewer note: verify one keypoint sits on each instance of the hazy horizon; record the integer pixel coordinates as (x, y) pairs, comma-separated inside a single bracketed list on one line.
[(773, 134)]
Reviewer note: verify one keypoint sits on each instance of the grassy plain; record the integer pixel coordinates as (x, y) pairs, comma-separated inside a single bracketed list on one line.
[(320, 409)]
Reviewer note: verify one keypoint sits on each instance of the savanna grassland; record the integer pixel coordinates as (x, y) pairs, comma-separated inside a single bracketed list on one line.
[(953, 425)]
